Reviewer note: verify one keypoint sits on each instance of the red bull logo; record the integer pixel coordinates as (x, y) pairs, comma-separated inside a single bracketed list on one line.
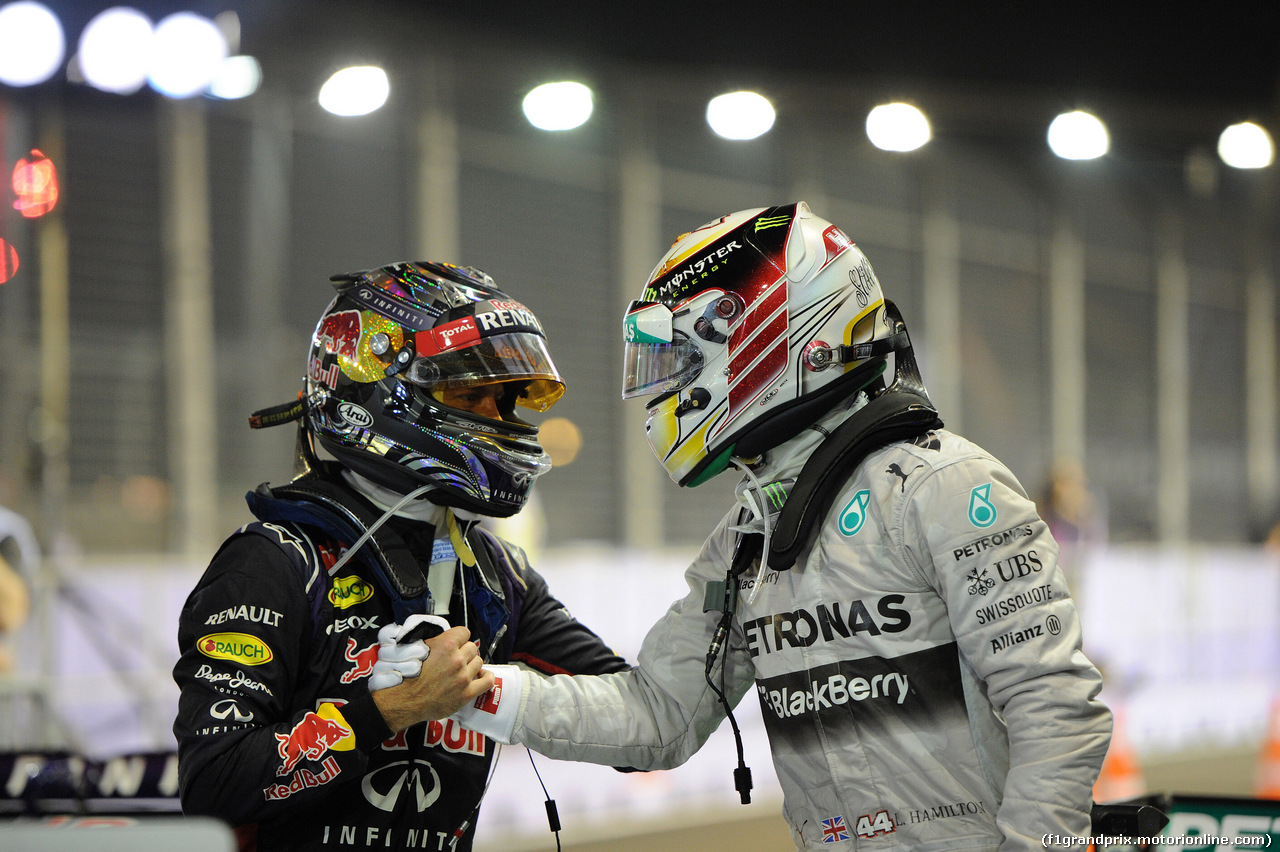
[(303, 780), (363, 661), (327, 376), (450, 736), (237, 647), (309, 739), (340, 334)]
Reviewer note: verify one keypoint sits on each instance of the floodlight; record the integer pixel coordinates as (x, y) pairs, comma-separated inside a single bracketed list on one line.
[(740, 115), (32, 45), (897, 127), (358, 90), (1078, 136), (187, 51), (558, 106), (1246, 146), (115, 50)]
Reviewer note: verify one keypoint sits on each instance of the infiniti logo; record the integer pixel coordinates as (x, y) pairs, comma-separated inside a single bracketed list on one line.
[(226, 707), (384, 786)]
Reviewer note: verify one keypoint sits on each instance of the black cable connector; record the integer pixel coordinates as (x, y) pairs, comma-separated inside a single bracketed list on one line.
[(742, 783), (553, 816)]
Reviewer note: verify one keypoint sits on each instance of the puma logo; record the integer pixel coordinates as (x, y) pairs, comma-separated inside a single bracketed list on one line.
[(897, 471)]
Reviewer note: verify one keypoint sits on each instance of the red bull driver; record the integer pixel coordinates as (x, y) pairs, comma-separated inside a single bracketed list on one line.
[(408, 435)]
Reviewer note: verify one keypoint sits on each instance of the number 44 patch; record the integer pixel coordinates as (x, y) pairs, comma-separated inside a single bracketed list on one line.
[(869, 825)]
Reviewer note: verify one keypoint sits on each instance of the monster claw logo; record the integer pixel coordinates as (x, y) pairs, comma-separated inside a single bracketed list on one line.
[(772, 222)]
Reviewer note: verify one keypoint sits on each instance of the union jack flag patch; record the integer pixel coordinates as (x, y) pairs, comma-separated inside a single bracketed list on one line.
[(833, 830)]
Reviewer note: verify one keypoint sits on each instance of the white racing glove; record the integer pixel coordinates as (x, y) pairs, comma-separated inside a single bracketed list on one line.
[(494, 713), (401, 649)]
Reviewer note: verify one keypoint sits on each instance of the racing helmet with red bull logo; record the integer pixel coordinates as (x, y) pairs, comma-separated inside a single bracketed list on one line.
[(748, 330), (386, 347)]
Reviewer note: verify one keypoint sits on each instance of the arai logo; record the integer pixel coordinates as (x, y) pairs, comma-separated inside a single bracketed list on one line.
[(355, 415)]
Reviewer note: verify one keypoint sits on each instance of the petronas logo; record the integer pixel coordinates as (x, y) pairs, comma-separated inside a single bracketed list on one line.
[(855, 514), (981, 512), (771, 222)]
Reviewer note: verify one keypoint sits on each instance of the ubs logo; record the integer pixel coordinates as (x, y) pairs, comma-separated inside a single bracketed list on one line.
[(385, 786)]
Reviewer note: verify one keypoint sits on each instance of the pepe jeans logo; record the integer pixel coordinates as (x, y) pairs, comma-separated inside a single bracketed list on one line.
[(855, 513), (981, 512)]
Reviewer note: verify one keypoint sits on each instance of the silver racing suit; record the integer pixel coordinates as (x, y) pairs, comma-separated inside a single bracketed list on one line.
[(919, 669)]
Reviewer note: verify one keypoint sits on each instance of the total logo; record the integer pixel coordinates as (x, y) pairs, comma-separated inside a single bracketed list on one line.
[(451, 335)]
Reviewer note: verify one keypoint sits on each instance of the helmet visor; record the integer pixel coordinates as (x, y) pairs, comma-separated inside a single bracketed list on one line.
[(656, 359), (518, 356)]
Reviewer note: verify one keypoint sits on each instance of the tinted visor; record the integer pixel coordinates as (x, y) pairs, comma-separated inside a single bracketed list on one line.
[(517, 356), (656, 359)]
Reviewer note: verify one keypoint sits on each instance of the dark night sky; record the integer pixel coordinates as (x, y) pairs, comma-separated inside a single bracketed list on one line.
[(1224, 51)]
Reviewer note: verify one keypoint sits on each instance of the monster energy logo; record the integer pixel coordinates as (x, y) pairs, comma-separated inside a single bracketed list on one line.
[(771, 222), (776, 492)]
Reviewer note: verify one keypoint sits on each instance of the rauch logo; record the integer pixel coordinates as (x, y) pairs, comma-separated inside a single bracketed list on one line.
[(349, 591), (238, 647)]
